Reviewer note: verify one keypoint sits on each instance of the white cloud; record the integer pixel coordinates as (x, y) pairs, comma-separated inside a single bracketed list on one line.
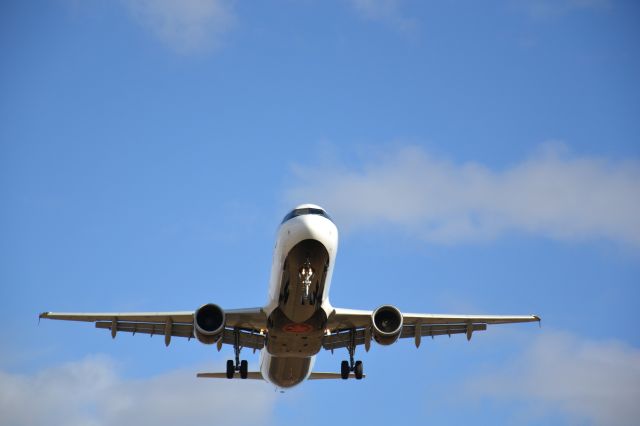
[(92, 392), (387, 11), (589, 381), (550, 194), (186, 26)]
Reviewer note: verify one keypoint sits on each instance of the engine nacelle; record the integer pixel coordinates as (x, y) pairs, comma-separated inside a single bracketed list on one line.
[(208, 323), (387, 324)]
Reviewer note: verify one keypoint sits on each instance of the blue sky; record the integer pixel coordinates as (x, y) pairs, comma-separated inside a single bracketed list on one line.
[(477, 158)]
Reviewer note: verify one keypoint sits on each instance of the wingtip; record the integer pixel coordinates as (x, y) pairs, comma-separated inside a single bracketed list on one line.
[(42, 315)]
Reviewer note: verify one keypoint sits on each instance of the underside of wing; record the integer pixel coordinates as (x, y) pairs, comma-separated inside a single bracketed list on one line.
[(350, 327), (167, 324), (464, 319), (241, 325)]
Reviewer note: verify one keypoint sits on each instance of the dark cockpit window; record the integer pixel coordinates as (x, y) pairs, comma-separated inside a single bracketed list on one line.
[(303, 211)]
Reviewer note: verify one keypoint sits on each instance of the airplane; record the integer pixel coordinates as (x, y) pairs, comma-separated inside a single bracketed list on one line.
[(298, 319)]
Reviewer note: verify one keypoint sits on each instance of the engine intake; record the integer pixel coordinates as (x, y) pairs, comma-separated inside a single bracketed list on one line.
[(387, 324), (208, 323)]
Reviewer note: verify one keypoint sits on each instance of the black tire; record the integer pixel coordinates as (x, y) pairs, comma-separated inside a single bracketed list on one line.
[(344, 370), (230, 369), (244, 369), (358, 370)]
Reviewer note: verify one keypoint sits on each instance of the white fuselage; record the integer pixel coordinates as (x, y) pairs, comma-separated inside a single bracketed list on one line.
[(298, 304)]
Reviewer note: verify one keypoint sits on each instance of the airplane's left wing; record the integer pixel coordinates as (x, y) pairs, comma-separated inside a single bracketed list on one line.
[(246, 322), (355, 327)]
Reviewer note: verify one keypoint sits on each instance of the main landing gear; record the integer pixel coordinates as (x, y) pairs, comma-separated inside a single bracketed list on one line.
[(348, 366), (241, 366)]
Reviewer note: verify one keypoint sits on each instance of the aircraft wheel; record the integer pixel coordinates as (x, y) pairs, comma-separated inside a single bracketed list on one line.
[(344, 370), (244, 369), (358, 370), (230, 369)]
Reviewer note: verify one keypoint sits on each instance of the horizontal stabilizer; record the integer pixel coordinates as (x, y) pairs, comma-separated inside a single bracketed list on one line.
[(251, 375), (316, 375)]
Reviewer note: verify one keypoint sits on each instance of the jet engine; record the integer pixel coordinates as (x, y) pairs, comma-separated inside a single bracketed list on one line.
[(387, 324), (208, 323)]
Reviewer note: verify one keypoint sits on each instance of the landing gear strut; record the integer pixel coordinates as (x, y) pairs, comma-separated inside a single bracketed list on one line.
[(305, 275), (241, 366), (348, 366)]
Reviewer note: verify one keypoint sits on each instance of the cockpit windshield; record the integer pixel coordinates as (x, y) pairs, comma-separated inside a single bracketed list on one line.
[(305, 210)]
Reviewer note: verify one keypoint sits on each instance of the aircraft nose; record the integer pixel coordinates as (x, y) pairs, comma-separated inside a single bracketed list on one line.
[(312, 227)]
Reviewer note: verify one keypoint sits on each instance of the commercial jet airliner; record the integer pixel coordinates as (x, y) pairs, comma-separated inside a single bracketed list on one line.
[(298, 319)]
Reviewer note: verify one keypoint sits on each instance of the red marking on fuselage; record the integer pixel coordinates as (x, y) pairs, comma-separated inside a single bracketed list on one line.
[(297, 328)]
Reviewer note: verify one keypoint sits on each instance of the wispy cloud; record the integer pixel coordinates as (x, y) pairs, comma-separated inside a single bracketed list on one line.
[(92, 392), (386, 11), (186, 26), (545, 9), (550, 194), (589, 381)]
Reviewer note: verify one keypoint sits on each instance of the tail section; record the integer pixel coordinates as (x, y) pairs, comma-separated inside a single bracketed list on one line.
[(324, 376), (256, 375), (251, 375)]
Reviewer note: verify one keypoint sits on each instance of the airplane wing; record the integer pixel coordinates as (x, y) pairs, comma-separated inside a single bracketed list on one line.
[(354, 326), (248, 322)]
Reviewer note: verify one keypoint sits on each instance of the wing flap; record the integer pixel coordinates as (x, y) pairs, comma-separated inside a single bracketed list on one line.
[(177, 330), (247, 339), (342, 339), (439, 330)]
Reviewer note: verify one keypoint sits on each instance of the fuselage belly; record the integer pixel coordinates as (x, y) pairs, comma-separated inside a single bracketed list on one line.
[(298, 303)]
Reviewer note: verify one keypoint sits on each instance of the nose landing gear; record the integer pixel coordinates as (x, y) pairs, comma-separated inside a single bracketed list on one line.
[(305, 275)]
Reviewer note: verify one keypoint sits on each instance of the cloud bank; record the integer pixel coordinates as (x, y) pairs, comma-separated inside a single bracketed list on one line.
[(590, 381), (385, 11), (91, 392), (186, 26), (550, 194)]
